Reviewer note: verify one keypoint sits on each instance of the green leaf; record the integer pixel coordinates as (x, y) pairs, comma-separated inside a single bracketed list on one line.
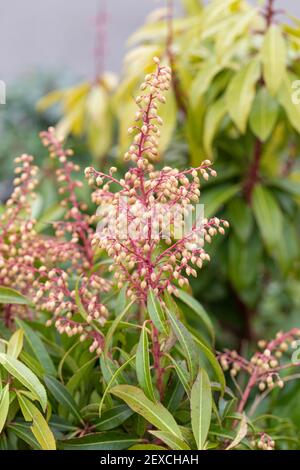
[(242, 432), (63, 396), (202, 81), (274, 57), (4, 406), (11, 296), (154, 413), (113, 378), (112, 440), (201, 406), (241, 219), (114, 326), (113, 417), (23, 432), (143, 364), (241, 92), (39, 428), (182, 373), (210, 356), (268, 216), (156, 312), (199, 310), (285, 98), (38, 348), (187, 343), (215, 198), (25, 376), (212, 121), (15, 344), (263, 115), (172, 441)]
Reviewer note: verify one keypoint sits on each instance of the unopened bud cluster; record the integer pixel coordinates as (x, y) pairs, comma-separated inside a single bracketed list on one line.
[(264, 366), (141, 261)]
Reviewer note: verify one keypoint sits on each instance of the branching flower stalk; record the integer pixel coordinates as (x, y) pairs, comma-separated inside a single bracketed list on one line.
[(143, 199), (264, 368)]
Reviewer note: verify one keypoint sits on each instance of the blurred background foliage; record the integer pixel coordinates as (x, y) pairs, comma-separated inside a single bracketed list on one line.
[(231, 101)]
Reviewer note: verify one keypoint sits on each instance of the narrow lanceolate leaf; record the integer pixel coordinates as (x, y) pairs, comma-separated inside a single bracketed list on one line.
[(242, 432), (199, 310), (114, 326), (274, 56), (143, 365), (15, 344), (201, 406), (268, 216), (63, 396), (156, 312), (24, 375), (172, 441), (38, 348), (11, 296), (113, 418), (263, 115), (154, 413), (99, 441), (40, 428), (241, 92), (4, 406), (187, 343)]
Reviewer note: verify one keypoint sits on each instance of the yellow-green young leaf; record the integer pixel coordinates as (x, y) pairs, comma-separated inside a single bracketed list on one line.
[(172, 441), (39, 428), (154, 413), (202, 81), (24, 375), (214, 198), (273, 56), (192, 7), (290, 105), (241, 92), (146, 447), (4, 406), (212, 121), (263, 115), (15, 344), (189, 348), (168, 113), (156, 312), (201, 406), (143, 364), (268, 216), (242, 432)]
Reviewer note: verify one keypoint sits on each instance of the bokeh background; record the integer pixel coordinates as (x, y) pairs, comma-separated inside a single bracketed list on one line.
[(55, 35)]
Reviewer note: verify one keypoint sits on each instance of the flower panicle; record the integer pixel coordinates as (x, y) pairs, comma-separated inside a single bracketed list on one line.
[(152, 201)]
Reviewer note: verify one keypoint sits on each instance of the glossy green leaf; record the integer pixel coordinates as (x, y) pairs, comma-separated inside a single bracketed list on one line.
[(143, 364), (113, 417), (63, 396), (156, 312), (213, 119), (112, 440), (201, 407), (199, 310), (154, 413), (187, 343), (25, 376), (37, 347), (172, 441)]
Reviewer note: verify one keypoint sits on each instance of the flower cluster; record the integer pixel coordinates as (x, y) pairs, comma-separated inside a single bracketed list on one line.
[(264, 366), (147, 206)]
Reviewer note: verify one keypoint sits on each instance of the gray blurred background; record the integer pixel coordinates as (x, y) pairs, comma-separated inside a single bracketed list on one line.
[(60, 35)]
